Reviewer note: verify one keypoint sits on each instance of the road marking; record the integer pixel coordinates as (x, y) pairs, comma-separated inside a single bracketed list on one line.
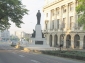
[(21, 56), (35, 61)]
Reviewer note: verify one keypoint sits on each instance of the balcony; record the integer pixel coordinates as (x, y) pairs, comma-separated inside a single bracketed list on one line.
[(49, 31)]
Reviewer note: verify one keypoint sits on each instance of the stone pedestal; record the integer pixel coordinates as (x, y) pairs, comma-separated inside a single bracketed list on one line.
[(38, 32), (38, 40)]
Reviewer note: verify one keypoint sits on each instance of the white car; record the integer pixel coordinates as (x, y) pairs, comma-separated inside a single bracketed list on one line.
[(14, 43)]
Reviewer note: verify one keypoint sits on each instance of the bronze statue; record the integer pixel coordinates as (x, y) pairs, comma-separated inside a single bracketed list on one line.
[(38, 17), (33, 34)]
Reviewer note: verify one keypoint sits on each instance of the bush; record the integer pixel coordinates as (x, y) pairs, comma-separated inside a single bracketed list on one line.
[(67, 54)]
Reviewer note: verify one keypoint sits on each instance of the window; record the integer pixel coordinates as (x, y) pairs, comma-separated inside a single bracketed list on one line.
[(53, 24), (64, 10), (58, 23), (71, 19), (52, 12), (46, 23), (57, 11), (71, 7), (79, 15), (46, 26), (63, 23), (46, 14)]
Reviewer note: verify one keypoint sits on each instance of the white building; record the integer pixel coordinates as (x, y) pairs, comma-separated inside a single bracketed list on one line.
[(61, 26), (22, 35), (5, 35), (19, 34), (0, 35)]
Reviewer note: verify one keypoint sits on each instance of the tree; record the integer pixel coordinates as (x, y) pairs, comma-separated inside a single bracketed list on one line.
[(27, 39), (81, 12), (11, 10), (12, 37)]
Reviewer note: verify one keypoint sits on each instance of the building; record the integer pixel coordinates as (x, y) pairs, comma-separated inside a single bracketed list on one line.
[(5, 35), (0, 35), (19, 34), (22, 35), (61, 26), (27, 36)]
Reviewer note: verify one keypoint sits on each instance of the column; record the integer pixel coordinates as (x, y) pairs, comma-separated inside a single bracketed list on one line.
[(72, 41), (60, 17), (67, 17), (75, 15), (50, 20), (52, 40), (47, 38), (64, 46), (55, 19), (45, 21), (58, 39), (45, 25), (81, 41)]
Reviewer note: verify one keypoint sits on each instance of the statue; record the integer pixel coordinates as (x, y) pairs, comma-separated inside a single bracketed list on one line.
[(33, 34), (38, 17)]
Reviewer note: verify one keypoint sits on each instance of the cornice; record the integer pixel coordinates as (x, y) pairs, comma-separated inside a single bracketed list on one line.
[(53, 3)]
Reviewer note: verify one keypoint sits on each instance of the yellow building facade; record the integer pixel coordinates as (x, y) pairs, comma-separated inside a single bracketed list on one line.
[(61, 26)]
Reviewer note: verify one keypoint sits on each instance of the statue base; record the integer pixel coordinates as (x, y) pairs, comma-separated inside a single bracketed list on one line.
[(38, 40)]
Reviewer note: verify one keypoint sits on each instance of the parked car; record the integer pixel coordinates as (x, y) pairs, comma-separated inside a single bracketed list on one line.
[(14, 43)]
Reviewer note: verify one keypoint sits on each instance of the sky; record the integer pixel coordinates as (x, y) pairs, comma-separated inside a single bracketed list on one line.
[(30, 20)]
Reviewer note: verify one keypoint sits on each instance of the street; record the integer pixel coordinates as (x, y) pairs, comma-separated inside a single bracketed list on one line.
[(9, 54)]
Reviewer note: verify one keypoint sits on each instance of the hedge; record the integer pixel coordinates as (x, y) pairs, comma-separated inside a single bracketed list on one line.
[(68, 54)]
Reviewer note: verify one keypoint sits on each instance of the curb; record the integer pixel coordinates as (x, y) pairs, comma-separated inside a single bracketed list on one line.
[(27, 49)]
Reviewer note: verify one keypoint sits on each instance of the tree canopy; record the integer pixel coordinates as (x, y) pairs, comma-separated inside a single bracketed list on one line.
[(11, 10), (81, 12)]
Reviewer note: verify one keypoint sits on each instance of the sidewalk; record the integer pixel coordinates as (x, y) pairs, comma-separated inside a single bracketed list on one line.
[(27, 48), (42, 48)]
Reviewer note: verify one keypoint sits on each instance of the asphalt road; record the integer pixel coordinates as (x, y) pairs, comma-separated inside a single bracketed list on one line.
[(9, 54)]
